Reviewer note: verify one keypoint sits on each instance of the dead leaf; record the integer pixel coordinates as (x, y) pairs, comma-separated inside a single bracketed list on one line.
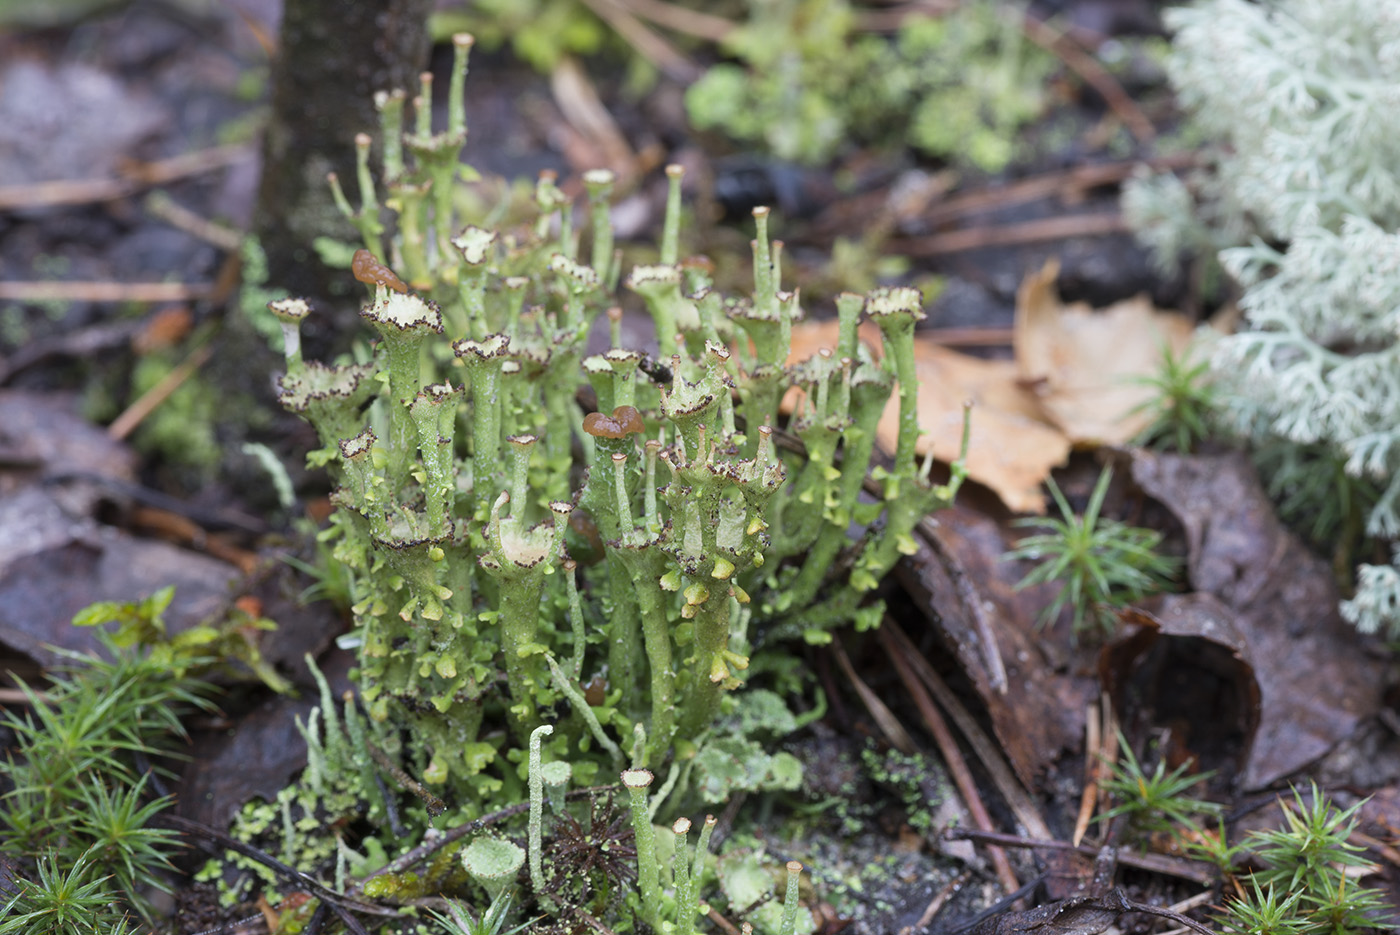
[(258, 755), (1011, 448), (1039, 716), (55, 557), (1187, 668), (1317, 682), (1082, 362)]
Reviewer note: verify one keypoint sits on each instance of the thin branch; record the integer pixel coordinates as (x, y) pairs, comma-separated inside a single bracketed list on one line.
[(940, 899), (58, 291), (147, 403), (987, 753), (85, 343), (889, 724), (161, 205), (1093, 74), (1088, 798), (1037, 231), (952, 756), (1062, 183), (339, 902), (892, 19), (134, 177), (1194, 870), (428, 848), (679, 19), (666, 57), (578, 101)]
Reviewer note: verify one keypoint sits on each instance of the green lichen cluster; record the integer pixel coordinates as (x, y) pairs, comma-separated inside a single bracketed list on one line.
[(805, 81), (595, 540)]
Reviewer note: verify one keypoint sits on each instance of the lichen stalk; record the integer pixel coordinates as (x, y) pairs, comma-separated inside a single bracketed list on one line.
[(680, 871), (791, 897), (536, 828), (648, 877), (456, 90), (599, 184), (646, 564), (575, 620), (390, 106), (671, 226), (710, 670)]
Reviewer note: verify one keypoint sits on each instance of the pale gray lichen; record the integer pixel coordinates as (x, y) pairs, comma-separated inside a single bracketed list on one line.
[(1376, 606), (1303, 202)]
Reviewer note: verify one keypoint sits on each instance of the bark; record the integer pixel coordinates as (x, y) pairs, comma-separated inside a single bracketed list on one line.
[(332, 57)]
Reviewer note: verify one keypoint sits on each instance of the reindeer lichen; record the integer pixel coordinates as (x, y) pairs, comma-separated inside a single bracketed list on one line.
[(1303, 194)]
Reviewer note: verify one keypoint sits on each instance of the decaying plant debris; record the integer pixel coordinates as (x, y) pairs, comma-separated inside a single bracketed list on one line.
[(944, 705)]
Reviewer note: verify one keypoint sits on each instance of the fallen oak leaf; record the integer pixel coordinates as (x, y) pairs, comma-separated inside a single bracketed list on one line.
[(1085, 366)]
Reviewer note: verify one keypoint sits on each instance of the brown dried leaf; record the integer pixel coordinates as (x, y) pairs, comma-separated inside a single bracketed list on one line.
[(1038, 715), (1316, 680), (1011, 450), (257, 756), (1186, 668), (55, 557), (1082, 362)]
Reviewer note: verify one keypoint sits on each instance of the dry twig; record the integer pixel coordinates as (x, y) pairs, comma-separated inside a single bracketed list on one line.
[(134, 177), (1068, 182), (1195, 870), (952, 756), (1008, 235), (125, 423), (940, 899), (1088, 798), (889, 724), (680, 19), (1093, 74), (666, 57), (578, 101), (58, 291), (987, 753), (167, 209), (890, 20)]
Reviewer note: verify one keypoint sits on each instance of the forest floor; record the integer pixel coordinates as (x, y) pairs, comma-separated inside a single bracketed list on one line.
[(129, 166)]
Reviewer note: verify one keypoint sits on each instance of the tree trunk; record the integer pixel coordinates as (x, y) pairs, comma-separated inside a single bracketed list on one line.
[(333, 56)]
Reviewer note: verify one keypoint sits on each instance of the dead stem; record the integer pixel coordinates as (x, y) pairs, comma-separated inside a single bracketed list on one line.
[(167, 209), (1065, 184), (940, 899), (1089, 797), (1036, 231), (135, 177), (987, 754), (105, 291), (889, 724), (148, 402), (666, 57), (682, 20), (952, 756), (1093, 74), (1194, 870)]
